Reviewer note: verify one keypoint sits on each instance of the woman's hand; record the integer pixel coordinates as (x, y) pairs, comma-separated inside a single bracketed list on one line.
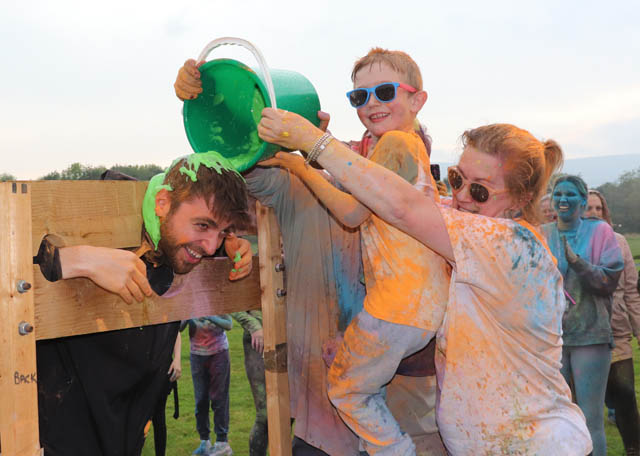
[(568, 251), (188, 84), (175, 369), (257, 340), (288, 130)]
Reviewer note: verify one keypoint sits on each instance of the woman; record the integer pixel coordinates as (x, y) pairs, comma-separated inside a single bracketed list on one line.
[(499, 347), (590, 262), (625, 321)]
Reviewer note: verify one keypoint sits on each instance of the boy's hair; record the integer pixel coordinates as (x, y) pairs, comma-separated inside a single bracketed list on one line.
[(223, 190), (398, 60)]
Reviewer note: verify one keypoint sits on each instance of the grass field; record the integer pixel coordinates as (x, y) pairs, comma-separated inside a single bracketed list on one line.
[(183, 439)]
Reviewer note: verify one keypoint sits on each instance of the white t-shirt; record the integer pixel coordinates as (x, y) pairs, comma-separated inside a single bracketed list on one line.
[(500, 345)]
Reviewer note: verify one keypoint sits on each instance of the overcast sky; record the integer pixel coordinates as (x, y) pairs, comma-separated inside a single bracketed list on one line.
[(92, 82)]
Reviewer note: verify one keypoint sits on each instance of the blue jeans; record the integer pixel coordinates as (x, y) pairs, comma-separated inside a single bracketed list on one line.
[(210, 376), (365, 363), (588, 367)]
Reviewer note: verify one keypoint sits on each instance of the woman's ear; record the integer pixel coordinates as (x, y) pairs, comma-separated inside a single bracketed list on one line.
[(163, 202)]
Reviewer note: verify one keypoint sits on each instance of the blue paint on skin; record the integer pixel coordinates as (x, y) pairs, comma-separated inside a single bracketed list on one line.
[(568, 202), (349, 163)]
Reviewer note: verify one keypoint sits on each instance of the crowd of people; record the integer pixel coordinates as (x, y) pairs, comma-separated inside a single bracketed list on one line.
[(492, 316)]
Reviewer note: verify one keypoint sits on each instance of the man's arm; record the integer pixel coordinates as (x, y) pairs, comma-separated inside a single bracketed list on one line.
[(118, 271)]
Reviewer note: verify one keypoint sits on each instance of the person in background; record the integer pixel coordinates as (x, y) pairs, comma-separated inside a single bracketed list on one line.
[(547, 211), (591, 263), (625, 323), (253, 344), (210, 372)]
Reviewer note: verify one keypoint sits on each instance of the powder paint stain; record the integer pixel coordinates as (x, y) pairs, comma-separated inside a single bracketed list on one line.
[(348, 163), (217, 99), (236, 258)]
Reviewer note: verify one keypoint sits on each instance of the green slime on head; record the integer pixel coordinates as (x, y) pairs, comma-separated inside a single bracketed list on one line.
[(190, 168)]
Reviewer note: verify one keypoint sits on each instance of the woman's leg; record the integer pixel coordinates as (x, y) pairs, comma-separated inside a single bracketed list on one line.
[(254, 366), (622, 397), (590, 367), (366, 361)]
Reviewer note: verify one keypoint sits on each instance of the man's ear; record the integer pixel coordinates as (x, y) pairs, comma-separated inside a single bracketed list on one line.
[(418, 100), (163, 202)]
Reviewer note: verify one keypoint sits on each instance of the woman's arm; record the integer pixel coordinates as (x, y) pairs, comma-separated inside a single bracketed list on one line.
[(385, 193)]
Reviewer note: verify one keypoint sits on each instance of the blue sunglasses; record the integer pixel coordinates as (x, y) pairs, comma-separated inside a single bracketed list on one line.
[(384, 93)]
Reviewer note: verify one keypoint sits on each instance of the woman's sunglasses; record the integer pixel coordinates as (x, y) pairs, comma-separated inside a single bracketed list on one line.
[(478, 192), (385, 93)]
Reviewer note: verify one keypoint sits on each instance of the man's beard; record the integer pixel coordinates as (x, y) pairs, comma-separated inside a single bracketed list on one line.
[(170, 248)]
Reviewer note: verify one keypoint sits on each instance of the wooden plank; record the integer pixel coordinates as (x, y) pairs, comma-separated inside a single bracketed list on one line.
[(275, 336), (99, 213), (77, 306), (18, 390)]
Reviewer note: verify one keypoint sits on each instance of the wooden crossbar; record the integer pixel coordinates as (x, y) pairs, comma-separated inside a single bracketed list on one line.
[(108, 214)]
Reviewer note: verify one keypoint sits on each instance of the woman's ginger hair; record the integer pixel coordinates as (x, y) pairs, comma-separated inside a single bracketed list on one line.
[(398, 60), (528, 163)]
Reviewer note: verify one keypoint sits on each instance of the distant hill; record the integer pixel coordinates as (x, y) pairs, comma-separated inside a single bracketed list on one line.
[(594, 170), (600, 170)]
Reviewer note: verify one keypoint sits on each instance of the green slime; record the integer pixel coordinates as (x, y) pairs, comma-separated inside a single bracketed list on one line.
[(190, 168)]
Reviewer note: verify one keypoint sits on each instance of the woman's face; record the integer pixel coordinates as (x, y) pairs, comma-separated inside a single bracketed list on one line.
[(568, 202), (594, 207), (486, 170)]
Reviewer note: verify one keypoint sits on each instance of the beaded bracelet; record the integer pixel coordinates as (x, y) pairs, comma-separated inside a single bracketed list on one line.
[(318, 147)]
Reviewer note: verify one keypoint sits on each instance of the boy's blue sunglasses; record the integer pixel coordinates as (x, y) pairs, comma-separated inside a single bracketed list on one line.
[(385, 93)]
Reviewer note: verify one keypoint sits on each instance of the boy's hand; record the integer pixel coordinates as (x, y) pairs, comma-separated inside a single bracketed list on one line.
[(330, 349), (288, 130), (239, 251), (293, 162), (188, 84)]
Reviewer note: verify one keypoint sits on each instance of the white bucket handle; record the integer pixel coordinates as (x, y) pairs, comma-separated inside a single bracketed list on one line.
[(256, 53)]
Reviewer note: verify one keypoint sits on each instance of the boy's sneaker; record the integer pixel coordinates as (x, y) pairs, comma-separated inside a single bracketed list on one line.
[(221, 449), (205, 448)]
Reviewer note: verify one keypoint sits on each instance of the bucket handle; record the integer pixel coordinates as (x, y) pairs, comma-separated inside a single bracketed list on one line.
[(256, 53)]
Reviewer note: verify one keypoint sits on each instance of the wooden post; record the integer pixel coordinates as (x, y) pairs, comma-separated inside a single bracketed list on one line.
[(274, 320), (18, 388)]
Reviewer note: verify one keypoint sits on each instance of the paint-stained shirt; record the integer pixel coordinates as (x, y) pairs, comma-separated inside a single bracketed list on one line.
[(407, 283), (500, 345), (324, 293), (206, 337), (590, 281)]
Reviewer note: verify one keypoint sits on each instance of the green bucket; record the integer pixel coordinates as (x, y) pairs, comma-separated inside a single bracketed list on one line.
[(225, 116)]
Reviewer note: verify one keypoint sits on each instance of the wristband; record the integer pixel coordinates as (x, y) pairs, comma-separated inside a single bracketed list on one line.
[(318, 147)]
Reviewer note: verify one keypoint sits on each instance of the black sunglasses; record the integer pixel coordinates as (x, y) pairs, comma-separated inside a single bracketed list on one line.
[(478, 192)]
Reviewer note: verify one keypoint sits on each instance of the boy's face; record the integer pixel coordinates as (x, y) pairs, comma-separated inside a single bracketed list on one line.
[(398, 114)]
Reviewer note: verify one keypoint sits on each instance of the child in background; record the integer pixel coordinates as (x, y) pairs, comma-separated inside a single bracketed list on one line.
[(407, 283), (210, 371)]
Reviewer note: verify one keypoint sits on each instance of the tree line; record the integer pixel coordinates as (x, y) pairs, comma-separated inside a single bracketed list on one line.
[(623, 195)]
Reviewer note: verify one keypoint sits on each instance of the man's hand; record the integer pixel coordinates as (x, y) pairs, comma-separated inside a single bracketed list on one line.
[(239, 251), (175, 369), (257, 340), (288, 130), (118, 271), (188, 84)]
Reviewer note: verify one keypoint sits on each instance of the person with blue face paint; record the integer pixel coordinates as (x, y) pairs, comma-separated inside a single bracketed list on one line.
[(590, 261)]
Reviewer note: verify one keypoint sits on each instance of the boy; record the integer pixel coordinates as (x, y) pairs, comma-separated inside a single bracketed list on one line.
[(407, 284), (210, 371)]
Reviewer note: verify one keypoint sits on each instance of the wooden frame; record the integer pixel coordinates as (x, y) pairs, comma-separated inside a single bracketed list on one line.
[(108, 214)]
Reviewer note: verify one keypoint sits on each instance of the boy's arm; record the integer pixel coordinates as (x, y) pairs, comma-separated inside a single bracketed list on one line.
[(224, 321), (348, 210), (248, 322)]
